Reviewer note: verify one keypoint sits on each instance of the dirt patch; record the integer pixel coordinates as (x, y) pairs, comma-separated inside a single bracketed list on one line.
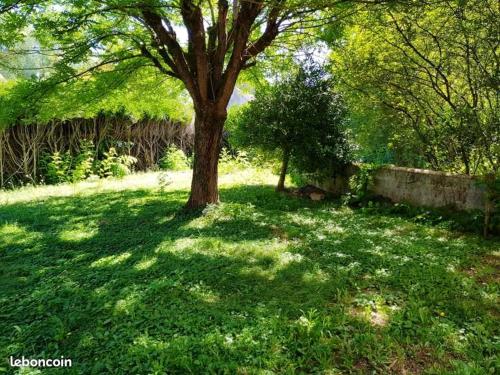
[(378, 319), (486, 269), (417, 360), (279, 232), (362, 365), (413, 363)]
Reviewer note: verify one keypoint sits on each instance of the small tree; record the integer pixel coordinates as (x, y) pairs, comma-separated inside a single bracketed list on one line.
[(303, 118)]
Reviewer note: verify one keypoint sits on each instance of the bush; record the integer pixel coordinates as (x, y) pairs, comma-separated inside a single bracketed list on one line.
[(84, 162), (360, 184), (114, 165), (62, 167), (229, 163), (174, 160), (57, 167), (301, 119)]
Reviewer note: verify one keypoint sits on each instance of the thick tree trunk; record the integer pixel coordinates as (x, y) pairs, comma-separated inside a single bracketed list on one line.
[(207, 142), (284, 169)]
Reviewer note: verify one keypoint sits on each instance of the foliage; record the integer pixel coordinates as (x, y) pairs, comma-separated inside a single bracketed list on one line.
[(136, 96), (379, 136), (57, 167), (301, 117), (491, 183), (84, 68), (232, 162), (425, 84), (84, 161), (174, 159), (60, 167), (360, 184), (114, 165), (116, 277)]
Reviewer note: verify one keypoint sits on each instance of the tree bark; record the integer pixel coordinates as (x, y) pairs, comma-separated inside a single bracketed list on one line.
[(489, 206), (207, 143), (284, 169), (209, 69)]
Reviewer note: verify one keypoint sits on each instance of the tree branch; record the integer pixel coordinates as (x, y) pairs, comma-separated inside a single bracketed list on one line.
[(174, 56)]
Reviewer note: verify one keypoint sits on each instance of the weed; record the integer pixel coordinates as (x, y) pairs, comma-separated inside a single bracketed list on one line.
[(114, 275)]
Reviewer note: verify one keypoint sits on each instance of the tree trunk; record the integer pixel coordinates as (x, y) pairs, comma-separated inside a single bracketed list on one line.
[(284, 169), (207, 142), (489, 207)]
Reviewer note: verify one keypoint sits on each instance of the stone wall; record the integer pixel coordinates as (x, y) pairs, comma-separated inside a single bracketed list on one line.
[(426, 188), (418, 187)]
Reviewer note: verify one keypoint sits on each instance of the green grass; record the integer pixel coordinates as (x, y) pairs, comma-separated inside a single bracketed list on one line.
[(116, 277)]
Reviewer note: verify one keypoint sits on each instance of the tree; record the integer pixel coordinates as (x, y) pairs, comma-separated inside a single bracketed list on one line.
[(222, 40), (8, 5), (303, 118), (435, 75)]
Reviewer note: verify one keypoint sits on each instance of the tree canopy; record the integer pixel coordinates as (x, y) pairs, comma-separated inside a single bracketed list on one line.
[(139, 95), (428, 82)]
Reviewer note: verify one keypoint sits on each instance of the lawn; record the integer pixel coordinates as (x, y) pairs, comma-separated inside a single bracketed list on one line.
[(116, 277)]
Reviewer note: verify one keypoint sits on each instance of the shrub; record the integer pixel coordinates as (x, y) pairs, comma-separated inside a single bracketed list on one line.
[(229, 163), (63, 167), (174, 160), (114, 165), (57, 167), (84, 162), (302, 118), (360, 184)]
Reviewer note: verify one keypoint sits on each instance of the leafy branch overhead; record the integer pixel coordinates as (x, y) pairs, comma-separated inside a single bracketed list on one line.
[(205, 44)]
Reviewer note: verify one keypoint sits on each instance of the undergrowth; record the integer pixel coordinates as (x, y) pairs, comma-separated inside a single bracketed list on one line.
[(122, 281)]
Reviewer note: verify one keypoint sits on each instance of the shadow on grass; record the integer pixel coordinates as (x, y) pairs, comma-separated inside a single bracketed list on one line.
[(129, 283)]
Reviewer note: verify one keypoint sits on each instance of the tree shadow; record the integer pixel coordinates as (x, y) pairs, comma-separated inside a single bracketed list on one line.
[(128, 282)]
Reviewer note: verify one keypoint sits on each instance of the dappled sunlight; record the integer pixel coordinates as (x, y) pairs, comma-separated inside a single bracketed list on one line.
[(196, 224), (287, 257), (85, 189), (399, 230), (14, 234), (282, 278), (111, 260), (316, 276), (377, 318), (126, 305), (180, 245), (258, 273), (203, 293), (78, 233), (251, 175), (145, 263), (372, 308)]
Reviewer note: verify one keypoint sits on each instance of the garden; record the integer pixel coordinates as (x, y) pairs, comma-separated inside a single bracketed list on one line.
[(118, 278), (249, 187)]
